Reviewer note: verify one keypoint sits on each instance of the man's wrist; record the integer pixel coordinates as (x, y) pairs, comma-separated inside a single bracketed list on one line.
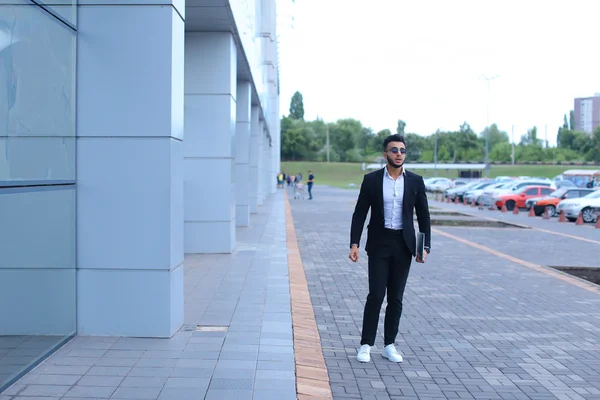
[(353, 244)]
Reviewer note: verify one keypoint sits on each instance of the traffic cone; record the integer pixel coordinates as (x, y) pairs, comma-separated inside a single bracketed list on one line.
[(503, 209), (465, 201), (561, 217), (598, 222), (531, 212), (515, 209), (546, 215), (579, 219), (456, 200)]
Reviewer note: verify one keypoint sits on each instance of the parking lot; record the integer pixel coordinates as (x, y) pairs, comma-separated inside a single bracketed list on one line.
[(484, 318)]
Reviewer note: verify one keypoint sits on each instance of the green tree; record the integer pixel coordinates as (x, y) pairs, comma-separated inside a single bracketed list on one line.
[(297, 106), (572, 120), (593, 153), (400, 127), (376, 142)]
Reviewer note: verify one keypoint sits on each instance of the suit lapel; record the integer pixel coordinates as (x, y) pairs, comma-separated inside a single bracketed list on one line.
[(379, 187), (407, 192)]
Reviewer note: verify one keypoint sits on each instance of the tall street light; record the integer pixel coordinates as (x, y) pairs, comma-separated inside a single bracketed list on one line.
[(487, 121)]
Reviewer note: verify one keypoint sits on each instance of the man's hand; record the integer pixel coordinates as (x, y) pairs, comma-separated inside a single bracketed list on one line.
[(353, 253), (419, 260)]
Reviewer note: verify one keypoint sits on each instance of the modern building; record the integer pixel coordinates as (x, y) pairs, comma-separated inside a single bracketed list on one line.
[(130, 135), (587, 113)]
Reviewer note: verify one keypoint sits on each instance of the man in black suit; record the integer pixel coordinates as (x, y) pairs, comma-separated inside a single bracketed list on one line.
[(392, 193)]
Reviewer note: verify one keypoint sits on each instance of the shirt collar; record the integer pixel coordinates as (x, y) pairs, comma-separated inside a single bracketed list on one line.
[(387, 174)]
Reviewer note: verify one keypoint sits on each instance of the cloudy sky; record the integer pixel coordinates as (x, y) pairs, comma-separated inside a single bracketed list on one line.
[(423, 61)]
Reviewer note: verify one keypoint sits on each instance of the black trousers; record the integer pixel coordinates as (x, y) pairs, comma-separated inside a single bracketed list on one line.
[(389, 266)]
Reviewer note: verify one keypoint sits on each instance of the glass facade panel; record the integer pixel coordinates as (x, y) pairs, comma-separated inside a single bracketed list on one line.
[(37, 175), (37, 95)]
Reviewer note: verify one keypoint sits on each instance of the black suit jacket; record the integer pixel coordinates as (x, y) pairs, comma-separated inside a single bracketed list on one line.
[(371, 197)]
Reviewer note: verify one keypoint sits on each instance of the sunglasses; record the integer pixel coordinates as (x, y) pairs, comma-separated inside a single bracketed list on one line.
[(397, 150)]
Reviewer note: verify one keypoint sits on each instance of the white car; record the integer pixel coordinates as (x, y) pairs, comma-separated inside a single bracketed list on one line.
[(474, 194), (584, 205), (438, 184)]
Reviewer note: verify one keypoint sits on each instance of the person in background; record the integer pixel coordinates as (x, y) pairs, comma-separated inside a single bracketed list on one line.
[(309, 184)]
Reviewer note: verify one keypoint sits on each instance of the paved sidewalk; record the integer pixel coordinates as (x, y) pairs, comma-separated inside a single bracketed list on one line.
[(475, 326), (586, 231), (247, 291)]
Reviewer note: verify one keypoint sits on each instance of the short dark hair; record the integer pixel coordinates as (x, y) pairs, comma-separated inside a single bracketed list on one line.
[(393, 138)]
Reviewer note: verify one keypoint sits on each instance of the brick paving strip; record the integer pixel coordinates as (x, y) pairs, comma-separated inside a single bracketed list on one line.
[(312, 379)]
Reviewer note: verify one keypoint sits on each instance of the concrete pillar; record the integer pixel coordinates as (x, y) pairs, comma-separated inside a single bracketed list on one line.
[(254, 157), (130, 170), (261, 163), (242, 153), (209, 149), (274, 172), (267, 167)]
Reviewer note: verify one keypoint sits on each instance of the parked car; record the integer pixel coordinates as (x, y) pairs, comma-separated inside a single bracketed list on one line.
[(489, 195), (551, 201), (459, 191), (473, 194), (438, 185), (519, 197), (584, 205)]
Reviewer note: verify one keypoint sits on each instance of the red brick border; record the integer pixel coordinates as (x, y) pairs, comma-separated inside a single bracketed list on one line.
[(312, 379)]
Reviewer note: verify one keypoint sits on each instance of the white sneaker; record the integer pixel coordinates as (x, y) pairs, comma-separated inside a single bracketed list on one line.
[(364, 353), (391, 353)]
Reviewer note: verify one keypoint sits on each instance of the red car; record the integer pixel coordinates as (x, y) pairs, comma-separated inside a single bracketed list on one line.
[(520, 196)]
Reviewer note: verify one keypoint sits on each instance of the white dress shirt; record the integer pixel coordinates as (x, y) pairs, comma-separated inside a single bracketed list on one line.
[(393, 194)]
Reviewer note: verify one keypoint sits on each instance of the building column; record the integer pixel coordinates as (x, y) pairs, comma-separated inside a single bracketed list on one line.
[(130, 170), (254, 157), (242, 153), (209, 149), (261, 163), (267, 167), (274, 172)]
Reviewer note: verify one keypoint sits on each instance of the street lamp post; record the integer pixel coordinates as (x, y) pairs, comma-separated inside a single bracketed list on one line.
[(487, 121), (435, 153)]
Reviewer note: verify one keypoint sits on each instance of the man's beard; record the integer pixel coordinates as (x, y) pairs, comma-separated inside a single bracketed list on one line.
[(393, 164)]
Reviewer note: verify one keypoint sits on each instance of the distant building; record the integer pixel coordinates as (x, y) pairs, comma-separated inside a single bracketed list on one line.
[(587, 113)]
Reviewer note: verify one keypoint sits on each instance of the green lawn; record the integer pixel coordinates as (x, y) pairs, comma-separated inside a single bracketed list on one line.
[(344, 174)]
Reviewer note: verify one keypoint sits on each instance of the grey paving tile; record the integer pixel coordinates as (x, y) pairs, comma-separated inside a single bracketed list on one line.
[(226, 394), (276, 365), (90, 392), (192, 372), (275, 374), (231, 383), (109, 371), (275, 384), (159, 372), (127, 393), (143, 381), (182, 393), (187, 382), (92, 380), (274, 395), (235, 364), (44, 390)]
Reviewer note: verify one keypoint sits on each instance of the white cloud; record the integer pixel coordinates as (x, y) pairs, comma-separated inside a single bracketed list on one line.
[(421, 61)]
